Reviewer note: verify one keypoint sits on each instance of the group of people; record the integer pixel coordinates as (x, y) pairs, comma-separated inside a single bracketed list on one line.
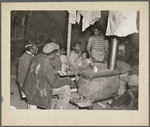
[(37, 78), (38, 67)]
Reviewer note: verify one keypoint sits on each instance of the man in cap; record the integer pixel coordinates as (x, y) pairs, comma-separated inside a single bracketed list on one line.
[(31, 50), (41, 83), (57, 64)]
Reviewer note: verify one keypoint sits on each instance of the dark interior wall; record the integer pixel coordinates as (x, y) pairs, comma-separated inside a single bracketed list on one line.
[(49, 25)]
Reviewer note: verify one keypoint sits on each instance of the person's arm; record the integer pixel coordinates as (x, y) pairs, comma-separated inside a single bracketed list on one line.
[(77, 62), (106, 49), (74, 61), (59, 64), (49, 74), (89, 45), (21, 73), (51, 78)]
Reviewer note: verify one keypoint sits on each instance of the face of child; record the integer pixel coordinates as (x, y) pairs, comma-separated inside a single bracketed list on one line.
[(84, 55), (77, 47), (96, 32)]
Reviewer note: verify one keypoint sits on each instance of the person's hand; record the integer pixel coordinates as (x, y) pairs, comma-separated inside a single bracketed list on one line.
[(76, 71), (103, 61), (93, 59), (80, 52), (55, 73)]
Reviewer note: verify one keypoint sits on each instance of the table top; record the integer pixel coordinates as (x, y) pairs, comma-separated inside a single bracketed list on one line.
[(100, 73)]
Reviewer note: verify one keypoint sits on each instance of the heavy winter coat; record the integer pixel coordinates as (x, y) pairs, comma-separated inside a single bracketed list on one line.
[(40, 81)]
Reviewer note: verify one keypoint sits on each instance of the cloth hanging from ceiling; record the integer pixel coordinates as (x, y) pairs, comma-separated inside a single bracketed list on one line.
[(89, 17), (72, 17), (121, 23)]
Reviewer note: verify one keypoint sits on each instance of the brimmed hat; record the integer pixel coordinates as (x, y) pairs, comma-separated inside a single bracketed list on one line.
[(48, 48), (30, 44)]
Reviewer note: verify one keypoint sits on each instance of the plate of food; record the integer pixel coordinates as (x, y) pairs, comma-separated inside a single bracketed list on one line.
[(70, 73), (62, 73)]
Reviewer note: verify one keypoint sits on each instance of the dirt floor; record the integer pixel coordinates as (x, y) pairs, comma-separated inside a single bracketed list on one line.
[(17, 102)]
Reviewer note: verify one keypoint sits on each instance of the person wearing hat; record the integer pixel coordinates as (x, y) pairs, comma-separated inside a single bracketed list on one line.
[(31, 50), (41, 83), (57, 64), (128, 98)]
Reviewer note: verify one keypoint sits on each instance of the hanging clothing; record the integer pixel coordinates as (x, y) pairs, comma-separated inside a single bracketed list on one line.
[(72, 17), (78, 16), (121, 23), (89, 18)]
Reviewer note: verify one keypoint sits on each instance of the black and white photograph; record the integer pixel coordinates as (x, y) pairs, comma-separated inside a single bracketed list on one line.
[(79, 59)]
